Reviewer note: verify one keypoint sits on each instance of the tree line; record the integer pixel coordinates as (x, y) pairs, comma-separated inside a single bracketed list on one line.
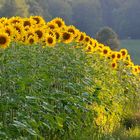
[(87, 15)]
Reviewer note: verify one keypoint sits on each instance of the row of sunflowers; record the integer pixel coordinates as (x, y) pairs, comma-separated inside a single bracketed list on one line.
[(35, 30)]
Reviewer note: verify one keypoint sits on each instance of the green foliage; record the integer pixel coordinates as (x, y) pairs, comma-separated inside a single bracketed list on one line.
[(42, 92), (108, 37), (61, 93)]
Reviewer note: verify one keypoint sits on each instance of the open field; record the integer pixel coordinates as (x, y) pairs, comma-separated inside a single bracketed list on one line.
[(133, 47), (58, 83)]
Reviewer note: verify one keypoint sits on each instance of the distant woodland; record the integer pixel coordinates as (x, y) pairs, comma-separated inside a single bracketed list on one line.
[(87, 15)]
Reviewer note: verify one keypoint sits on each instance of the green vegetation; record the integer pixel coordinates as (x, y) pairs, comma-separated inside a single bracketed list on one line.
[(108, 37), (62, 93)]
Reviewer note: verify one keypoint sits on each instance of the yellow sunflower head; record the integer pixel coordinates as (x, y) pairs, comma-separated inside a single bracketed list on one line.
[(128, 57), (82, 36), (113, 55), (39, 32), (118, 55), (57, 35), (38, 20), (67, 37), (87, 39), (106, 51), (114, 64), (98, 46), (124, 53), (28, 22), (52, 25), (3, 19), (139, 69), (59, 21), (15, 20), (128, 63), (30, 32), (32, 39), (89, 49), (4, 40), (92, 42), (135, 70), (50, 41), (18, 27), (9, 30), (73, 30)]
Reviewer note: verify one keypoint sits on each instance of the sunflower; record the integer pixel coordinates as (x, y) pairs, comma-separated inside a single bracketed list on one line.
[(87, 39), (139, 69), (135, 70), (72, 29), (114, 64), (18, 27), (128, 63), (39, 32), (50, 41), (92, 42), (52, 25), (3, 19), (67, 37), (77, 35), (30, 32), (15, 20), (6, 23), (59, 22), (57, 35), (96, 43), (32, 39), (9, 30), (81, 37), (28, 22), (98, 47), (38, 20), (4, 40), (113, 55), (119, 55), (18, 37), (106, 51), (128, 57), (26, 35), (89, 49), (124, 53)]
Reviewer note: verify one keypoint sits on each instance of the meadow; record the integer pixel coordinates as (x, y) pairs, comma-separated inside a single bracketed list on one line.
[(58, 83)]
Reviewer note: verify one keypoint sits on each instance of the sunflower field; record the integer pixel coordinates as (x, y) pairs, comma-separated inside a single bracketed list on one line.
[(57, 82)]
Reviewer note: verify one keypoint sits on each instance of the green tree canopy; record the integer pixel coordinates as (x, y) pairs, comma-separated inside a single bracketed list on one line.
[(108, 37)]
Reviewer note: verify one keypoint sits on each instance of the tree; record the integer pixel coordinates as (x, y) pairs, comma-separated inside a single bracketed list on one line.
[(87, 16), (127, 21), (108, 37), (14, 8), (60, 8)]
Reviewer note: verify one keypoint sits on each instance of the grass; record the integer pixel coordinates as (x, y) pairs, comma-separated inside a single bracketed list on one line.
[(133, 47)]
